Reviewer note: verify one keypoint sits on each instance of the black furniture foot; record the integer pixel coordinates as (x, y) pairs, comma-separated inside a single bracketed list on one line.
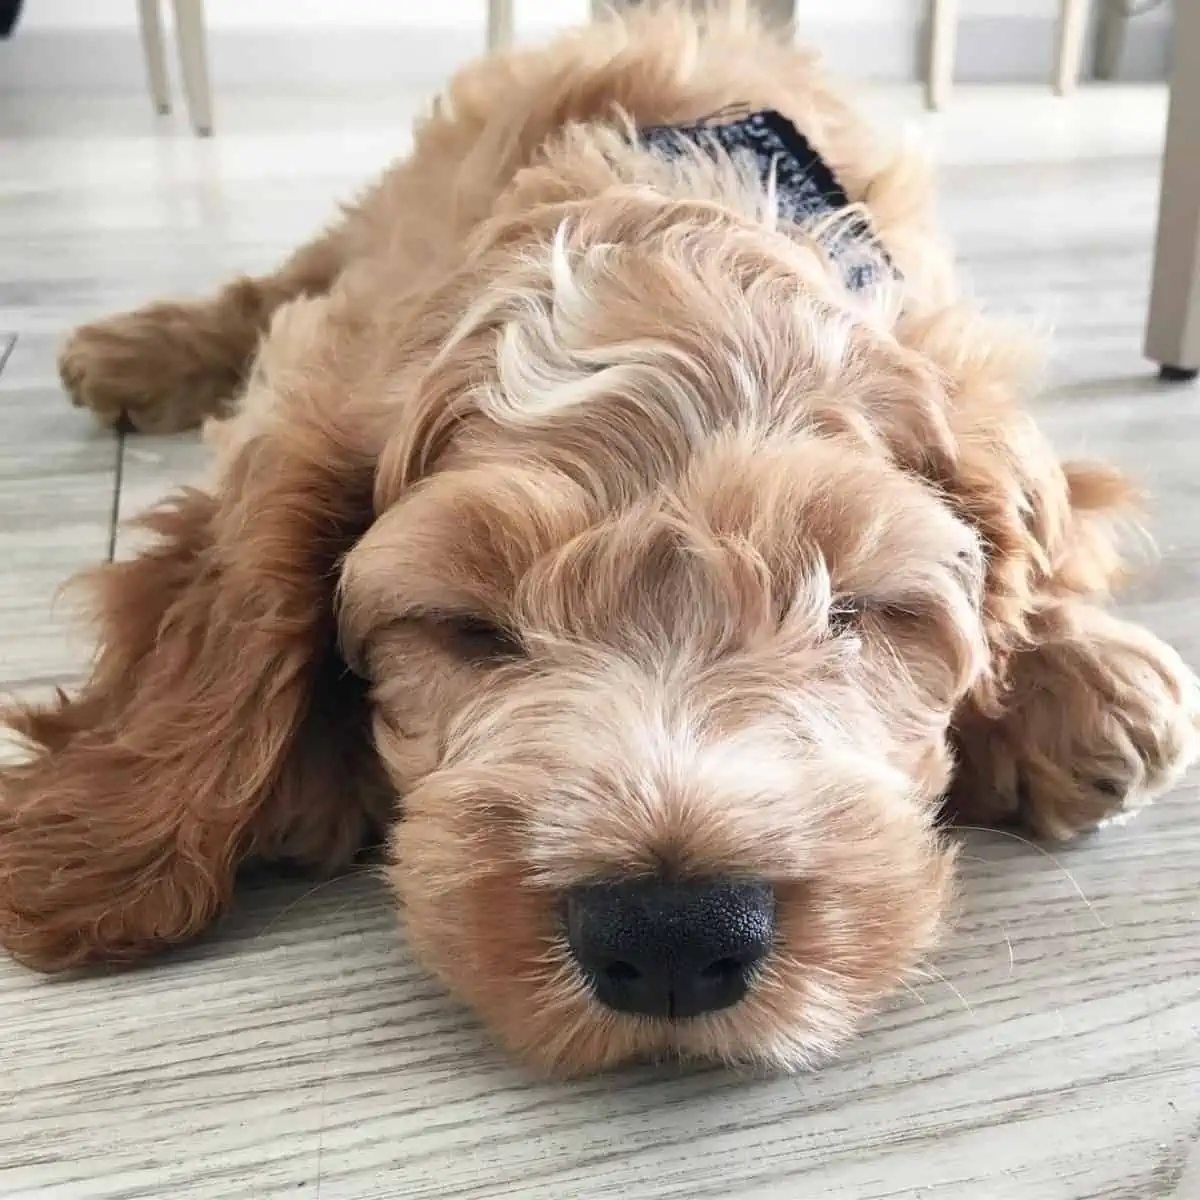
[(1169, 374)]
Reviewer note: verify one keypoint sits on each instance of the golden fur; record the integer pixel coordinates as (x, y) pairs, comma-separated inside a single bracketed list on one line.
[(572, 521)]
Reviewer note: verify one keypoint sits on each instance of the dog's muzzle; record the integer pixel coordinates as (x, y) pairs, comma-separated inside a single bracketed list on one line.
[(670, 949)]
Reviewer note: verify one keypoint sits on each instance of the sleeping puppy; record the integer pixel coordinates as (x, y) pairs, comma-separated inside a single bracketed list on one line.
[(619, 513)]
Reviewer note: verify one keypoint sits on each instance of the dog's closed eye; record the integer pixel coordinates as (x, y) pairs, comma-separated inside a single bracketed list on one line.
[(478, 639)]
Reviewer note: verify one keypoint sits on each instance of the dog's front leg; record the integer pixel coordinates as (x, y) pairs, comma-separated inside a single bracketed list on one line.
[(172, 364)]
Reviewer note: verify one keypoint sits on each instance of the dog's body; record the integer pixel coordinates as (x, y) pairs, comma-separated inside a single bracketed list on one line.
[(684, 580)]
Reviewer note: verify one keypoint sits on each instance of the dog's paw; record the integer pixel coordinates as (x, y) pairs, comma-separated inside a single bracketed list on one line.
[(150, 368), (1102, 720)]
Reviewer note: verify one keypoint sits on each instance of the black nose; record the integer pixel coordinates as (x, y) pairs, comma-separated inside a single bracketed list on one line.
[(670, 949)]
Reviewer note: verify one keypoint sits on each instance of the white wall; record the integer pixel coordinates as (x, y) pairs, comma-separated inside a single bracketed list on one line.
[(92, 45), (315, 15), (397, 14)]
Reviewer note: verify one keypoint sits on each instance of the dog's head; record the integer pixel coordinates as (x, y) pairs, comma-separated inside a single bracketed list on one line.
[(664, 629), (648, 543)]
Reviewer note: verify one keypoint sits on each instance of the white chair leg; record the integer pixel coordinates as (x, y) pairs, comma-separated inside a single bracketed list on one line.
[(779, 14), (1110, 39), (193, 63), (1173, 329), (1072, 25), (150, 25), (943, 39), (500, 24)]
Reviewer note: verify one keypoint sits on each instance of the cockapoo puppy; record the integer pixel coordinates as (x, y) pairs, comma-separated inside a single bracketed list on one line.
[(619, 512)]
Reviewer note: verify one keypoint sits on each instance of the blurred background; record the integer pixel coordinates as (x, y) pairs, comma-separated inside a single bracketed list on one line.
[(355, 44)]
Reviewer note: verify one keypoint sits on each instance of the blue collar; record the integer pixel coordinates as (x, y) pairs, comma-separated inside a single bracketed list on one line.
[(806, 188)]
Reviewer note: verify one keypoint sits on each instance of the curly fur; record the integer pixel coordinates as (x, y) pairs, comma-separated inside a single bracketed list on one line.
[(778, 568)]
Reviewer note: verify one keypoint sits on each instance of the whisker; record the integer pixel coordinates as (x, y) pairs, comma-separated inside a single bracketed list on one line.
[(961, 998), (1016, 837), (275, 918)]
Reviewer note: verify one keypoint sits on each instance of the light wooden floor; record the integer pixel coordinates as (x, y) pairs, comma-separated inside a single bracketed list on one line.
[(299, 1053)]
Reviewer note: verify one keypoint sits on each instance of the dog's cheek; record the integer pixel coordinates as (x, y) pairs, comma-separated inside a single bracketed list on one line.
[(474, 920), (883, 898), (872, 904)]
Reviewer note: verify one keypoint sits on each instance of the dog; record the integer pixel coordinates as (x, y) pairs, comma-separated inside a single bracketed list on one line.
[(620, 514)]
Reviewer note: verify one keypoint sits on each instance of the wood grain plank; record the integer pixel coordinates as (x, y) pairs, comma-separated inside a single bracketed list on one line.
[(57, 480)]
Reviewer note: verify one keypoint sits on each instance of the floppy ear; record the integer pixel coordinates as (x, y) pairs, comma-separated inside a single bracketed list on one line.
[(1002, 476), (219, 721), (1047, 527)]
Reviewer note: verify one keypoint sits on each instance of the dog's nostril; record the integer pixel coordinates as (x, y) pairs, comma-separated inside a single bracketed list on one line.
[(670, 949), (723, 968), (622, 972)]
